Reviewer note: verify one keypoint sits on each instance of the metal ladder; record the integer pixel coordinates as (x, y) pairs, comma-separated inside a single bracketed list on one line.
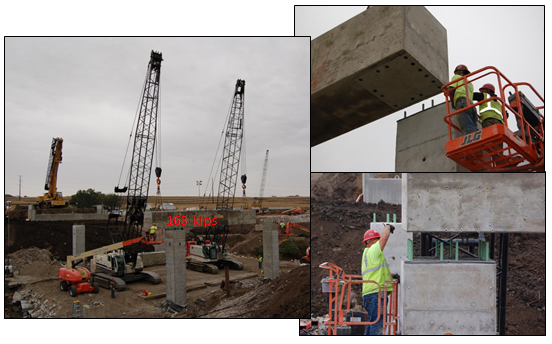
[(77, 309)]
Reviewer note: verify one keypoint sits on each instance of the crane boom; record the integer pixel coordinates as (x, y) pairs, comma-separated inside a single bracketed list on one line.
[(142, 157), (52, 197), (232, 150), (263, 179)]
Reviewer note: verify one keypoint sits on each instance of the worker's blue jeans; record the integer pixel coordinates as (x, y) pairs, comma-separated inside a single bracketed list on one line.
[(371, 306), (467, 119)]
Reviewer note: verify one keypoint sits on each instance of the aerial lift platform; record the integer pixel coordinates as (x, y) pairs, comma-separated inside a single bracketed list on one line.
[(497, 148)]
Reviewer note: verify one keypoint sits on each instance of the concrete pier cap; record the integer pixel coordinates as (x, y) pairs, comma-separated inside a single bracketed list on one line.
[(474, 202), (376, 63)]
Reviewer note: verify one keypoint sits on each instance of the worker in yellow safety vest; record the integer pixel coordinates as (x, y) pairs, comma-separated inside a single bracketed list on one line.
[(468, 118), (490, 112), (152, 231), (375, 268)]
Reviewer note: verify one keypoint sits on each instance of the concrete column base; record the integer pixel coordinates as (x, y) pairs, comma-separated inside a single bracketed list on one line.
[(271, 251), (175, 245), (78, 239)]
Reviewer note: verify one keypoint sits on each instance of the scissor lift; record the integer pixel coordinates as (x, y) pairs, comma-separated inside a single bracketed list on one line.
[(497, 148)]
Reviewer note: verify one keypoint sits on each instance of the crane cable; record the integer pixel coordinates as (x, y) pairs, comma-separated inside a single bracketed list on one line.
[(131, 130), (218, 148), (158, 145)]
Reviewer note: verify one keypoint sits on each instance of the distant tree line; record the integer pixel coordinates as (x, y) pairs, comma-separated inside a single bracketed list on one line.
[(89, 198)]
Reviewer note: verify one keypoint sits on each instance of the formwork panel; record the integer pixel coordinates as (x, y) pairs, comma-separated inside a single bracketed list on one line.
[(439, 297), (474, 202), (376, 63)]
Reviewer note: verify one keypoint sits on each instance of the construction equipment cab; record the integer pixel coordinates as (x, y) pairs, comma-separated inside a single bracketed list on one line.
[(496, 148)]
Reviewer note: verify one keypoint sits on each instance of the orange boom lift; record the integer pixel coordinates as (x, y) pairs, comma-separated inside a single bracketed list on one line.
[(497, 148)]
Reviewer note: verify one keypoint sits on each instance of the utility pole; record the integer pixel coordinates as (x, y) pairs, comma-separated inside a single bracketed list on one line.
[(198, 183), (20, 187)]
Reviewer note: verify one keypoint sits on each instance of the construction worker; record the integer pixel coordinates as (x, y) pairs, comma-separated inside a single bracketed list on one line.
[(375, 268), (260, 262), (490, 112), (153, 229), (282, 227), (467, 119)]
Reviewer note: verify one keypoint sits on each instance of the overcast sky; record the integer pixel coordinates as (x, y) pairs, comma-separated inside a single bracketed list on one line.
[(87, 90), (514, 43)]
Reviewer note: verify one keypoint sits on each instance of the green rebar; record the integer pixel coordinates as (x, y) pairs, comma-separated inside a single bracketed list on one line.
[(450, 248), (374, 217), (487, 251), (457, 250), (395, 218), (442, 245), (387, 218), (410, 249)]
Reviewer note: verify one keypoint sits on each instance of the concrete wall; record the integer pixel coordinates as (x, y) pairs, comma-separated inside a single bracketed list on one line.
[(175, 244), (376, 189), (303, 218), (441, 297), (68, 217), (421, 142), (474, 202), (376, 63), (271, 251), (78, 239), (153, 258)]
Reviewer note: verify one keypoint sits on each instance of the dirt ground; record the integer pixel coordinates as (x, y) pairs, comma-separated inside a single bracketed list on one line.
[(38, 249), (203, 297), (339, 224)]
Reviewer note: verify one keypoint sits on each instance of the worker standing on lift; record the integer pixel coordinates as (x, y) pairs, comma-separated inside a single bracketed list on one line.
[(153, 229), (468, 118), (375, 268), (490, 112)]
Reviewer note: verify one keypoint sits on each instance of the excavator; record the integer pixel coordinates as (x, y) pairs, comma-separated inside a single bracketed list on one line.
[(52, 198), (210, 252), (107, 263), (497, 148), (288, 230)]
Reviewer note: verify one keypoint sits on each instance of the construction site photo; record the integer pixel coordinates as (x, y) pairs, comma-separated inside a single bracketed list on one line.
[(198, 234), (427, 254), (411, 85)]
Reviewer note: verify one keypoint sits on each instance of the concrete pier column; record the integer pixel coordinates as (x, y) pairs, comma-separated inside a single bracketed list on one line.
[(175, 245), (32, 212), (78, 239), (271, 251)]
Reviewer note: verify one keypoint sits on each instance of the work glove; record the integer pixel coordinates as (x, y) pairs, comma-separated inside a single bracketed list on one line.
[(397, 277), (392, 227)]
